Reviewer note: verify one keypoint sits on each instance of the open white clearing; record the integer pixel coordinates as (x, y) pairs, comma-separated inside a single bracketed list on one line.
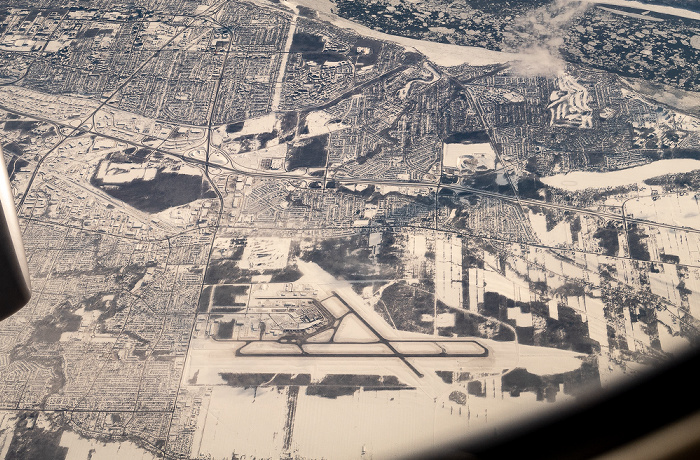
[(242, 420), (560, 234), (265, 253), (673, 209), (322, 337), (319, 122), (80, 448), (469, 157), (335, 306), (353, 330)]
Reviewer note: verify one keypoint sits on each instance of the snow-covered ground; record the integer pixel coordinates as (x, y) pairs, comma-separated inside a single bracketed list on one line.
[(265, 253), (238, 420), (319, 122), (417, 347), (351, 329), (695, 42), (513, 287), (559, 235), (323, 337), (335, 306), (270, 347), (674, 209), (455, 347), (469, 157), (597, 324), (448, 270), (347, 348), (380, 424), (383, 424), (582, 180), (80, 448)]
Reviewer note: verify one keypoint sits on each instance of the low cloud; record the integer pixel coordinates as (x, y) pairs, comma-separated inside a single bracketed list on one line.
[(538, 36)]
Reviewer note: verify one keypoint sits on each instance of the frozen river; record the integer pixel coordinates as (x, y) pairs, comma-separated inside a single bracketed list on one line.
[(582, 180)]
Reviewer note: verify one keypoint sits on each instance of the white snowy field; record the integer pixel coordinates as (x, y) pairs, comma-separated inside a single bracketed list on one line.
[(351, 329), (322, 337), (384, 424), (673, 209), (559, 235), (319, 122), (334, 306), (243, 421), (471, 157), (80, 448)]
